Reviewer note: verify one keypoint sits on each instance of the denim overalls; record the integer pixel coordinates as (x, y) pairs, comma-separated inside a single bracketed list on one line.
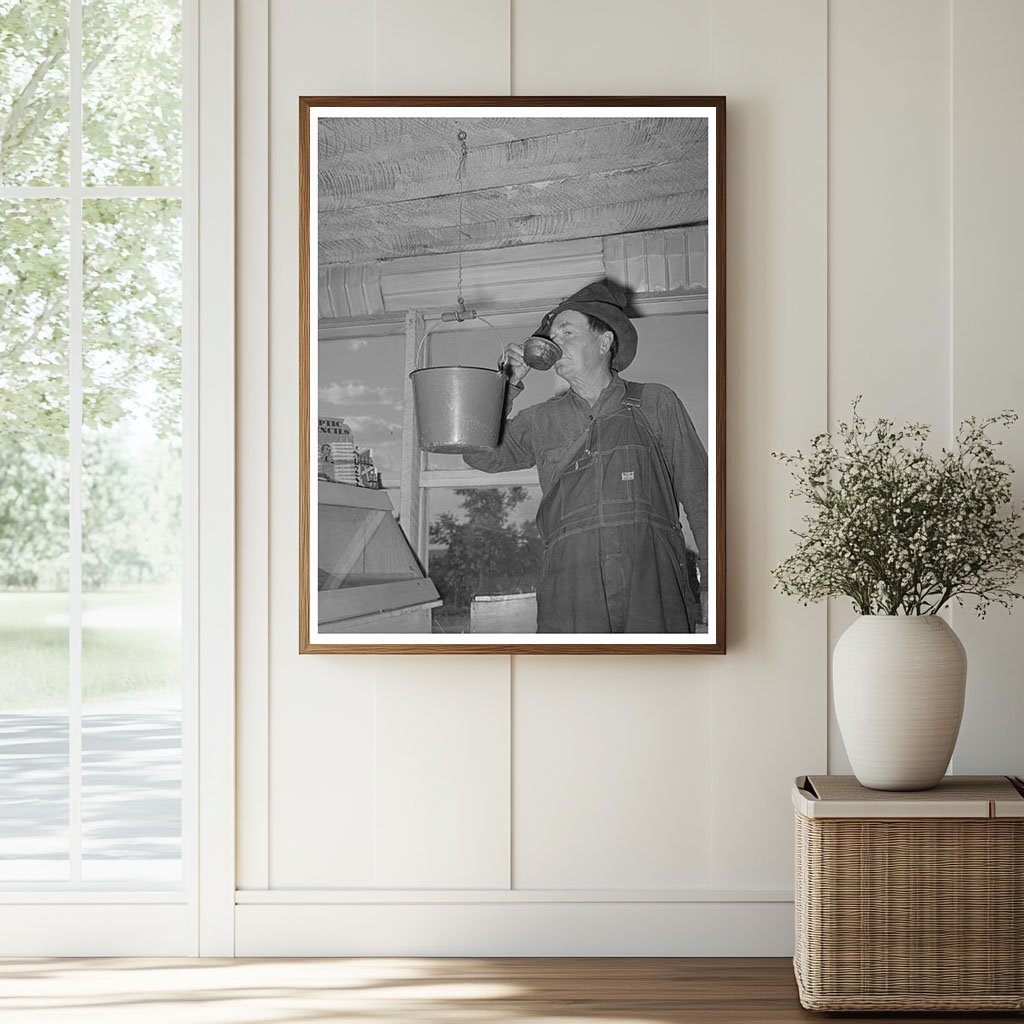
[(614, 556)]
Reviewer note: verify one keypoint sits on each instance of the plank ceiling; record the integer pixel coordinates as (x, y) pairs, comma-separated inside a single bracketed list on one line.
[(390, 187)]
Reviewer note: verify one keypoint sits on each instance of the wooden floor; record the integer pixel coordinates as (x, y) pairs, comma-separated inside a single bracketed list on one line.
[(382, 991)]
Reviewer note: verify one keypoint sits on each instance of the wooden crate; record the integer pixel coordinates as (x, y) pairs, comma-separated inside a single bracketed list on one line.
[(504, 613), (910, 901)]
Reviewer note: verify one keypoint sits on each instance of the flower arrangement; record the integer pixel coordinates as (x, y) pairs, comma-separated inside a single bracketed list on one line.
[(900, 530)]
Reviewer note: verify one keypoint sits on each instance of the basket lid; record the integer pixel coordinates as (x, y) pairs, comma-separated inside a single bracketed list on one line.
[(957, 796)]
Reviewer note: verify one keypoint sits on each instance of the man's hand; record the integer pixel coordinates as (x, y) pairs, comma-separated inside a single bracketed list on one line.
[(704, 607), (517, 365)]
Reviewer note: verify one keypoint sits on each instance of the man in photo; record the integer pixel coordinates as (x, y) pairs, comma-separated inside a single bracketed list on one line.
[(615, 459)]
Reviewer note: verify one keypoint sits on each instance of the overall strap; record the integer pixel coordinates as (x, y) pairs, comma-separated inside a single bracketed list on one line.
[(634, 391), (631, 399)]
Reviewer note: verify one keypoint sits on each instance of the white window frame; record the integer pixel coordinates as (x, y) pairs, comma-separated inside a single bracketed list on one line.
[(215, 277), (78, 918)]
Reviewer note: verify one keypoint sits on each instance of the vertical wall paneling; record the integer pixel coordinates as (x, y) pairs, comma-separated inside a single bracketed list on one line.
[(442, 48), (888, 214), (889, 245), (442, 775), (987, 365), (769, 692), (612, 774), (320, 708), (324, 760), (577, 47), (847, 273), (217, 561), (252, 474)]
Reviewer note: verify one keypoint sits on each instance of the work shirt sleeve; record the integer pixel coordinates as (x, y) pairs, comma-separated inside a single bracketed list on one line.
[(688, 463), (515, 449)]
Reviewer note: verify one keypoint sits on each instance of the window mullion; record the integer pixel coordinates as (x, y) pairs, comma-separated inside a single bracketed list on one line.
[(189, 193), (95, 192), (75, 303)]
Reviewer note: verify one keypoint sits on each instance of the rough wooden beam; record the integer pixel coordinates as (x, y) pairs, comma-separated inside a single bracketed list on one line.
[(371, 139), (549, 196), (344, 185), (513, 214), (636, 215)]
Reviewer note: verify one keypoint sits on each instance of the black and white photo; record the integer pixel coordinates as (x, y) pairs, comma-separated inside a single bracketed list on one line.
[(512, 375)]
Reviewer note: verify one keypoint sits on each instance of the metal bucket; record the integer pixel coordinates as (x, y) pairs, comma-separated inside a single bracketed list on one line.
[(458, 408)]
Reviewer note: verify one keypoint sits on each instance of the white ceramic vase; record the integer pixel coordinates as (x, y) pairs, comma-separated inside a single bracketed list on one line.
[(898, 684)]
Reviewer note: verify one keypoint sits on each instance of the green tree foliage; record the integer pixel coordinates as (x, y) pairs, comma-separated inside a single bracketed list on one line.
[(131, 301), (131, 93), (485, 551), (131, 512), (33, 92), (132, 313), (33, 514), (34, 319), (33, 393)]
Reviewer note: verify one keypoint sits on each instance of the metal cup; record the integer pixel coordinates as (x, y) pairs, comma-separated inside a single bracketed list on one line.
[(541, 353)]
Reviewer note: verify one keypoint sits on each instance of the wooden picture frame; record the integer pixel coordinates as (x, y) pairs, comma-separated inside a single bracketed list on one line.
[(437, 231)]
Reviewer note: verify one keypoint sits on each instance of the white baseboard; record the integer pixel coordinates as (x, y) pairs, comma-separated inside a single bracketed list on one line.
[(506, 928), (99, 928)]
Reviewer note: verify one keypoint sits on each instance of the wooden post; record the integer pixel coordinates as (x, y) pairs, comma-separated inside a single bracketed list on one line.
[(412, 458)]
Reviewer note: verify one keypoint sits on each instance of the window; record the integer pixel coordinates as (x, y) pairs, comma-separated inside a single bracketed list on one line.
[(94, 453), (472, 533)]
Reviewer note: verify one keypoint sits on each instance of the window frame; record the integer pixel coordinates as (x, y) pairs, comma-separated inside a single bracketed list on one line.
[(75, 193), (198, 918)]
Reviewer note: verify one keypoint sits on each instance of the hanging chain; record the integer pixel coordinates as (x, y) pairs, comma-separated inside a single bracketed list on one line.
[(460, 312), (462, 192)]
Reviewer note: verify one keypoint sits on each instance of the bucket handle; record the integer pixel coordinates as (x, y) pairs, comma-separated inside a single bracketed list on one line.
[(501, 340)]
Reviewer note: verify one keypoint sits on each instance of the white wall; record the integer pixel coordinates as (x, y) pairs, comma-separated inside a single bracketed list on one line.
[(618, 805)]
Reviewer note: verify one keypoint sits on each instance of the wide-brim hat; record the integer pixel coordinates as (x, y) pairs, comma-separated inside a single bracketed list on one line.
[(607, 300)]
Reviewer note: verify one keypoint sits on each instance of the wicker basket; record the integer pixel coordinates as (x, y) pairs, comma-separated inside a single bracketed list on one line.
[(910, 901)]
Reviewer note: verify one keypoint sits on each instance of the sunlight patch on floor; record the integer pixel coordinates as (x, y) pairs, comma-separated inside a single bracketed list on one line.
[(218, 991)]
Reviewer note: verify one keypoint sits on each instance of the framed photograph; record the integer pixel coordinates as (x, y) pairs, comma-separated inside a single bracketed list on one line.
[(512, 375)]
